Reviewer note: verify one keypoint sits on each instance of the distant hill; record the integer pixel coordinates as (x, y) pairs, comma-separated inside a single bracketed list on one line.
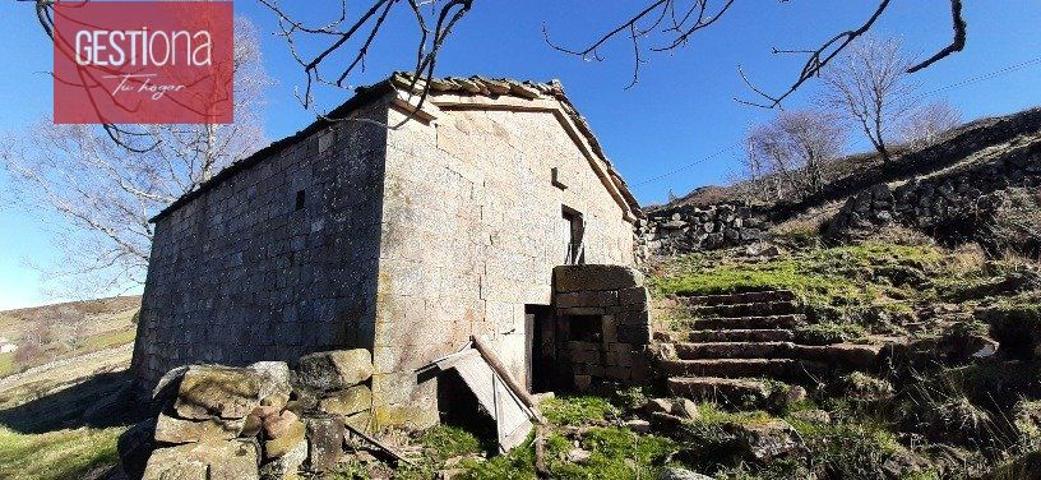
[(41, 335), (849, 175)]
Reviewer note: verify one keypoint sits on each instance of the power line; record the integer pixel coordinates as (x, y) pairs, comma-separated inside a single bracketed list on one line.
[(969, 81)]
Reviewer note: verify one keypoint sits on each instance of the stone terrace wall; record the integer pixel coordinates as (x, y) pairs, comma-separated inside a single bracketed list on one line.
[(691, 229), (239, 274), (954, 206)]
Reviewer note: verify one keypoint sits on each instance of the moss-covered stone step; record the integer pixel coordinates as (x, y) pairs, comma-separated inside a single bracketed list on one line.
[(742, 335), (738, 298), (698, 351), (751, 322), (716, 389), (847, 355), (778, 368), (745, 309)]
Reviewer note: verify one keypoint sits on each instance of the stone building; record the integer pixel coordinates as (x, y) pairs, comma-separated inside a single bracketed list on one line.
[(405, 240)]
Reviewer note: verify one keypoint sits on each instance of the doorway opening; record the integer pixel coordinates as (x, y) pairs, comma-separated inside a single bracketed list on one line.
[(541, 352)]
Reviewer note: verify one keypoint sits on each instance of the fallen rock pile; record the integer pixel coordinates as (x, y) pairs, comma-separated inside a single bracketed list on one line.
[(263, 421)]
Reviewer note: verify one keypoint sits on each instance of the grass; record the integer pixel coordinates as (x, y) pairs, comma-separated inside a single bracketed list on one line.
[(109, 339), (6, 363), (833, 276), (578, 410), (57, 455)]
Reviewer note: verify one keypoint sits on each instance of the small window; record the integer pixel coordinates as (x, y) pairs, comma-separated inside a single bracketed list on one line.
[(301, 198), (586, 328)]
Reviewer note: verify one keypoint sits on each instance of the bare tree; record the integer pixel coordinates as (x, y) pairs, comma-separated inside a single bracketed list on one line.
[(345, 38), (788, 154), (98, 197), (924, 125), (871, 87)]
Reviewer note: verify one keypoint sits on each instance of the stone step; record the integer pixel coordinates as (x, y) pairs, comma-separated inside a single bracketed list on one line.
[(846, 355), (697, 351), (738, 298), (778, 368), (745, 309), (787, 321), (742, 335), (721, 390)]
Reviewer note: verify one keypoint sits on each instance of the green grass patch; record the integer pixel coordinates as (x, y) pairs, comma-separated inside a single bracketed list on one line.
[(109, 339), (832, 276), (578, 410), (57, 455)]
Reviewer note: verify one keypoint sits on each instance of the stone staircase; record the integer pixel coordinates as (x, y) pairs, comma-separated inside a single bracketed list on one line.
[(735, 342)]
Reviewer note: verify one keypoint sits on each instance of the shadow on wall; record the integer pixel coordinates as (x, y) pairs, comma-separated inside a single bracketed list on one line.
[(104, 400)]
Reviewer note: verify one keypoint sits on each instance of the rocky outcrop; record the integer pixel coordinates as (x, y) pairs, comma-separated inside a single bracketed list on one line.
[(258, 422), (691, 229), (953, 206)]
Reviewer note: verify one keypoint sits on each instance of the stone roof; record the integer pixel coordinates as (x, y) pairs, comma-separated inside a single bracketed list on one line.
[(470, 86)]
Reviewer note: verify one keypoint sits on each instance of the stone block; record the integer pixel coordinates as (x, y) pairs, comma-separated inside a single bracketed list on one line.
[(286, 442), (634, 296), (583, 382), (176, 430), (574, 278), (325, 442), (286, 467), (230, 460), (335, 370), (602, 298), (229, 393), (276, 426), (347, 402)]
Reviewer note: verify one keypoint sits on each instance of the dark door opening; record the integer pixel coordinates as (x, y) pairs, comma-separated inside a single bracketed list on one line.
[(541, 351)]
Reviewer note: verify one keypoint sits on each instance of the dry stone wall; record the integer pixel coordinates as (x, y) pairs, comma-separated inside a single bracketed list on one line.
[(952, 206), (690, 229), (262, 422), (275, 262)]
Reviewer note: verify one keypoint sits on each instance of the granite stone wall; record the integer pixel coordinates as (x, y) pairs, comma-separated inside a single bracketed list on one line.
[(278, 261), (691, 229), (956, 205), (472, 229)]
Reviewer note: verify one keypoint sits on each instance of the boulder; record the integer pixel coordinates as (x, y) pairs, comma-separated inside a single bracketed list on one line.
[(763, 442), (177, 430), (165, 391), (674, 473), (229, 393), (335, 370), (638, 426), (347, 402), (234, 460), (325, 442), (685, 409), (659, 405)]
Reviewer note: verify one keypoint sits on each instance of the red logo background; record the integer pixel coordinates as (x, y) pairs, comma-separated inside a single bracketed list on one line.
[(181, 91)]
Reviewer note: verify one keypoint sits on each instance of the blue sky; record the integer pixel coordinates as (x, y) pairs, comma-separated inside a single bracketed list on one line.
[(680, 112)]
